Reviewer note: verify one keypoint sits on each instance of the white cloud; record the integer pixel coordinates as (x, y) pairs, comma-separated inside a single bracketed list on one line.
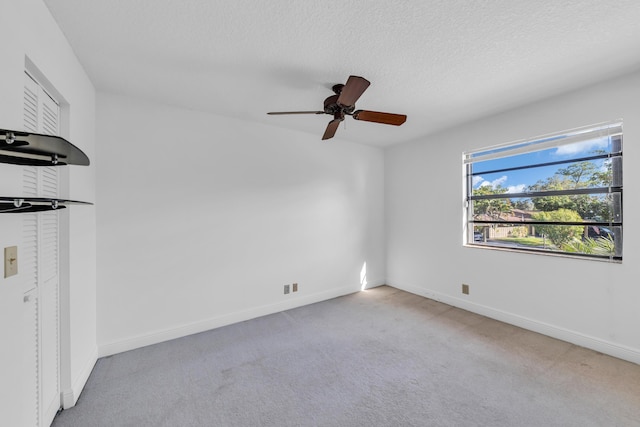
[(582, 147), (477, 180), (493, 184), (516, 188), (499, 181)]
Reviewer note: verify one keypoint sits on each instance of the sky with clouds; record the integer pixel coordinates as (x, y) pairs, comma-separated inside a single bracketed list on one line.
[(517, 181)]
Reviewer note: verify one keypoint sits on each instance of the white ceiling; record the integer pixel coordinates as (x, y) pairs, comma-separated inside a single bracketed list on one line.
[(441, 62)]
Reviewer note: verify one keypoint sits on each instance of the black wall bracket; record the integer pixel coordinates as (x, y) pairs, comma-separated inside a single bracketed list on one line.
[(34, 149)]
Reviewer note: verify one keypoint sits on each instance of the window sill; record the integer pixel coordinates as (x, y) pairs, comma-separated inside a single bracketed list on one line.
[(543, 253)]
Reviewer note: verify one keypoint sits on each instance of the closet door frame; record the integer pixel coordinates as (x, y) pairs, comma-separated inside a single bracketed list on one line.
[(42, 262)]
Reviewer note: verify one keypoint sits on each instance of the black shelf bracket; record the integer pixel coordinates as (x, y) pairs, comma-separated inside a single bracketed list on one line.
[(35, 204), (34, 149)]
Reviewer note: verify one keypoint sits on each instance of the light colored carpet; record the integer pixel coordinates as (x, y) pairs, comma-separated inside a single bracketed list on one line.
[(382, 357)]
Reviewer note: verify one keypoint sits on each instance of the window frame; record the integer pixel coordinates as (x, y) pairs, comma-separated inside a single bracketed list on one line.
[(612, 130)]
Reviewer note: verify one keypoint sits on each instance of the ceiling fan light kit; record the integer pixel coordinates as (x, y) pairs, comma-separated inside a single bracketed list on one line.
[(344, 103)]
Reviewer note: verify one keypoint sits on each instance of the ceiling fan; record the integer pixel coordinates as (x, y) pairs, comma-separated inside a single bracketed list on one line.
[(344, 103)]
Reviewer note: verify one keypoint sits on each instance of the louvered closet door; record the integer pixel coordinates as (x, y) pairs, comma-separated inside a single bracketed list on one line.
[(39, 267)]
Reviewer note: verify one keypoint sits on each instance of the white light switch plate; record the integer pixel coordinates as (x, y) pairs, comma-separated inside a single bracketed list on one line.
[(10, 261)]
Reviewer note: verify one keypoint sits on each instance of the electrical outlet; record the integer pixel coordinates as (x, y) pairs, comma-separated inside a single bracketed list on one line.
[(295, 287), (286, 289), (465, 289)]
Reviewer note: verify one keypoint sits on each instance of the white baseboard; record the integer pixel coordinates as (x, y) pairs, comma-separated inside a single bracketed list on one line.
[(583, 340), (70, 396), (131, 343)]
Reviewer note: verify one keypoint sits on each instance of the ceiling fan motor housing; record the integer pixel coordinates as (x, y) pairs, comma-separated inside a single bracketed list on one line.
[(331, 106)]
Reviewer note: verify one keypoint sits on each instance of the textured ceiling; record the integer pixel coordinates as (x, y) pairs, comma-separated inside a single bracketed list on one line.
[(439, 62)]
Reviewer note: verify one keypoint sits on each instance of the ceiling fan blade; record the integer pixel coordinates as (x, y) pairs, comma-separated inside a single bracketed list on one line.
[(351, 91), (332, 127), (378, 117), (275, 113)]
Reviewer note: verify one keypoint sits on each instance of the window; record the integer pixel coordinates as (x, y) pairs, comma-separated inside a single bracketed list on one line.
[(555, 194)]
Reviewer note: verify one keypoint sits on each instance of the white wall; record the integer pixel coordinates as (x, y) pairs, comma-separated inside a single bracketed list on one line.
[(29, 34), (203, 219), (594, 304)]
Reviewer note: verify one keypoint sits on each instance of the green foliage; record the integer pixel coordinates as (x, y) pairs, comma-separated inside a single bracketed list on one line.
[(519, 232), (598, 246), (575, 173), (532, 241), (578, 175), (551, 203), (494, 208), (559, 234), (522, 204)]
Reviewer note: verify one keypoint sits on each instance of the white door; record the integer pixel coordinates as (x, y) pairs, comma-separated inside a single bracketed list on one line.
[(39, 269)]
